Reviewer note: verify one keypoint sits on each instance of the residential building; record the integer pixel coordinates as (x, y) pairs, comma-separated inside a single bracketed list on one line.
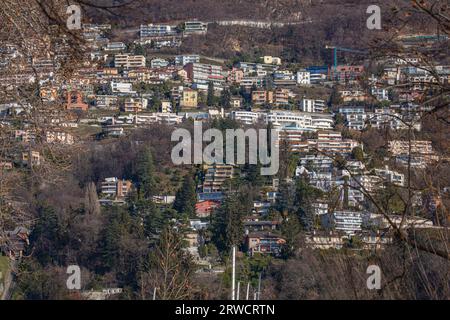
[(183, 60), (235, 76), (32, 158), (189, 98), (201, 75), (122, 87), (264, 243), (391, 176), (271, 60), (312, 105), (215, 175), (195, 27), (129, 61), (115, 46), (159, 63), (303, 78), (281, 97), (301, 121), (60, 137), (260, 98), (246, 117), (348, 222), (166, 106), (203, 209), (236, 102), (14, 244), (107, 102), (115, 188), (135, 105), (75, 101), (422, 152), (150, 31)]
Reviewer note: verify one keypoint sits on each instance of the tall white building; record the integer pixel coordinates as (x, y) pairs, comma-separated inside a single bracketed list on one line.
[(303, 78)]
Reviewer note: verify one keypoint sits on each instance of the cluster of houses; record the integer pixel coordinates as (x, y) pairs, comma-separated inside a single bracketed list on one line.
[(110, 90)]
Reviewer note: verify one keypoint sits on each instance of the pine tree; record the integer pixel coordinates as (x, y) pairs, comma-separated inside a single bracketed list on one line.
[(227, 225), (210, 100), (225, 99), (186, 197), (144, 175)]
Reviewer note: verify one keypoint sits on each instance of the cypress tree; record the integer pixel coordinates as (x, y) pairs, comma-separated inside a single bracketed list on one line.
[(144, 176), (186, 197)]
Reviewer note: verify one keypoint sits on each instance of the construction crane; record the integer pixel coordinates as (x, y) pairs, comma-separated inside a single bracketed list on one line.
[(336, 49)]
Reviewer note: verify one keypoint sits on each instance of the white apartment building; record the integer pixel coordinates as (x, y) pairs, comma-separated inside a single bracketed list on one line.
[(183, 60), (159, 117), (159, 63), (391, 176), (122, 87), (312, 105), (303, 78), (348, 222), (157, 30), (59, 137), (195, 27), (307, 121), (246, 117), (115, 46)]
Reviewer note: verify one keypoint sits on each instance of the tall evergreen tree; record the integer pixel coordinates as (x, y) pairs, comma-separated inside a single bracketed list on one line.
[(305, 197), (227, 225), (186, 197), (210, 100), (144, 174), (225, 99)]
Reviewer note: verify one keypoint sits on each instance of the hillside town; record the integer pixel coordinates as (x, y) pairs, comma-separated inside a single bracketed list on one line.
[(361, 165)]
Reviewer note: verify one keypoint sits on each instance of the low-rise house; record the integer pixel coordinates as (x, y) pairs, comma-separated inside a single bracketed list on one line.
[(32, 158), (324, 240), (271, 60), (203, 209), (115, 189), (264, 243), (14, 243), (101, 295), (122, 88), (159, 63), (6, 165), (391, 176), (163, 199), (236, 102), (75, 101), (60, 137), (256, 226)]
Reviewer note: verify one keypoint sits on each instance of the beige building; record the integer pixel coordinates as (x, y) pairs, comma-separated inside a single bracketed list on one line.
[(262, 97), (271, 60), (127, 61), (189, 99)]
